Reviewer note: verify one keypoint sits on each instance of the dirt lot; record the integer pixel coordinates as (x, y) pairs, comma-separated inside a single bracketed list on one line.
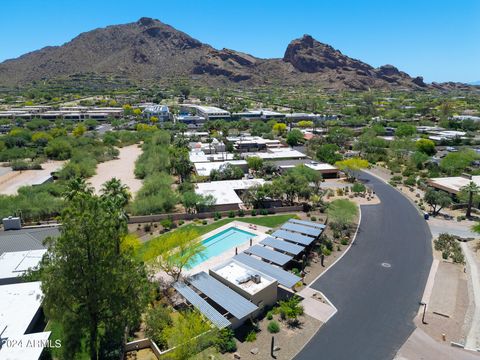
[(121, 168), (11, 181)]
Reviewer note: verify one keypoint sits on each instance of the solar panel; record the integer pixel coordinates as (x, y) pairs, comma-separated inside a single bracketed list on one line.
[(301, 229), (269, 255), (228, 299), (307, 223), (283, 277), (294, 237), (204, 307), (282, 245)]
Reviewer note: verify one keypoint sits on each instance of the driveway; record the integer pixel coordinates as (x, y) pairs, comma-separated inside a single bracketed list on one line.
[(377, 285)]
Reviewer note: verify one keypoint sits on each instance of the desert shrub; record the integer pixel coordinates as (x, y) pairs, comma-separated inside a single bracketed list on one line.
[(253, 212), (273, 327), (449, 247), (251, 336), (241, 213), (231, 214), (269, 315), (225, 341)]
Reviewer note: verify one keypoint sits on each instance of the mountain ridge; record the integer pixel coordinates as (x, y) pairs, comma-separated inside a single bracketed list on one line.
[(150, 51)]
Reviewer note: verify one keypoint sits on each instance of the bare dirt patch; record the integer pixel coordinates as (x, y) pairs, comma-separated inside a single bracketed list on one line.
[(121, 168), (13, 180)]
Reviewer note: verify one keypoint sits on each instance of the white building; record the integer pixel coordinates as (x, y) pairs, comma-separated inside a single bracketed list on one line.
[(207, 112), (20, 313), (226, 192), (15, 264), (205, 168), (160, 111)]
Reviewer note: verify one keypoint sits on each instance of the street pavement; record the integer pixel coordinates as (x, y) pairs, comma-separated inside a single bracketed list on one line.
[(377, 285)]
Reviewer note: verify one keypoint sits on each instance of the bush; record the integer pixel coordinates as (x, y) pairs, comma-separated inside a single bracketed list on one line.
[(217, 215), (358, 188), (147, 227), (181, 222), (253, 212), (251, 336), (449, 247), (167, 223), (313, 218), (410, 181), (231, 214), (326, 252), (344, 241), (269, 315), (204, 222), (273, 327), (263, 212), (241, 213), (225, 341), (157, 319)]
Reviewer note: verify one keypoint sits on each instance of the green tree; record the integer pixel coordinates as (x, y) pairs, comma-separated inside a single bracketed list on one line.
[(405, 130), (471, 189), (456, 162), (279, 128), (157, 321), (175, 252), (426, 146), (180, 163), (189, 335), (339, 136), (328, 153), (294, 137), (351, 166), (437, 200), (194, 202), (89, 288), (255, 163)]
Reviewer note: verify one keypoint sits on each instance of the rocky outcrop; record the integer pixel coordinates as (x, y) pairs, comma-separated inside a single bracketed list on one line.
[(149, 51)]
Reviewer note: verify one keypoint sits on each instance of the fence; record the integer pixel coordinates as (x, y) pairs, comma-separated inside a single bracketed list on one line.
[(205, 215)]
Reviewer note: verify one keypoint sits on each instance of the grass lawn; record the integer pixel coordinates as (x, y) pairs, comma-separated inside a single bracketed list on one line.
[(270, 221), (57, 330)]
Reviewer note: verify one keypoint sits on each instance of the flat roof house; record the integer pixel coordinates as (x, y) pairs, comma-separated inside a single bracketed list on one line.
[(225, 192), (21, 321), (207, 112)]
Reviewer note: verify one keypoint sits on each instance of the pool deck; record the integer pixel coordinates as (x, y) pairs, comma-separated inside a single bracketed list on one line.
[(260, 233)]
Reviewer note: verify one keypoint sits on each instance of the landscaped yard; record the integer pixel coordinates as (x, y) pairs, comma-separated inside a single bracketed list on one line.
[(270, 221)]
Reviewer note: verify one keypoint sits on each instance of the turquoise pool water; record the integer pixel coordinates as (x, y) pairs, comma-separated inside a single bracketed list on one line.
[(224, 240)]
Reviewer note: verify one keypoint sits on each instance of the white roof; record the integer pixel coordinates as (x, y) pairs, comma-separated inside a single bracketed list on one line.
[(224, 191), (453, 184), (204, 168), (13, 264), (206, 109), (277, 153), (240, 275), (19, 304), (200, 156), (320, 166)]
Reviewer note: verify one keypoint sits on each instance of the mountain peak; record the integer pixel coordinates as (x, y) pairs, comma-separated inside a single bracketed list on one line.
[(149, 51)]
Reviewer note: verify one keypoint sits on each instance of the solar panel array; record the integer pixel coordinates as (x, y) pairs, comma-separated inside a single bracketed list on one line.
[(282, 245), (269, 255), (203, 306), (294, 237), (307, 223), (228, 299), (307, 230)]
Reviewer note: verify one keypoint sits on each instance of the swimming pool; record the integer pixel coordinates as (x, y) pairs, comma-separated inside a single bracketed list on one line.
[(224, 240)]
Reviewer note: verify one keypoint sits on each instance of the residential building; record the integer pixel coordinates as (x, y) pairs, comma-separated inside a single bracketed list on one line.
[(207, 112)]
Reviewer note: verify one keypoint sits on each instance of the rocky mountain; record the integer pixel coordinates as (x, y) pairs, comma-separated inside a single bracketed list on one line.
[(149, 51)]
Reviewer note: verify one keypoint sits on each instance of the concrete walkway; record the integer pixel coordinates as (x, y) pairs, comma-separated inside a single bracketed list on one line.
[(420, 346), (315, 307), (473, 336)]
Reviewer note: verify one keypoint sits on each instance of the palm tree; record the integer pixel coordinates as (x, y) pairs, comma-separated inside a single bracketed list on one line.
[(75, 187), (472, 189), (117, 196)]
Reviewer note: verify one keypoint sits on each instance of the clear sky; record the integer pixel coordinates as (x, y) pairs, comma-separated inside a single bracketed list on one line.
[(438, 39)]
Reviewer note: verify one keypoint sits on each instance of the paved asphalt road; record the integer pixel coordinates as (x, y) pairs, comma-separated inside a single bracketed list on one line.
[(376, 304)]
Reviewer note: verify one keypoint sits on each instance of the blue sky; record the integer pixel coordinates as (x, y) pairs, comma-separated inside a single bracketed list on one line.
[(437, 39)]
